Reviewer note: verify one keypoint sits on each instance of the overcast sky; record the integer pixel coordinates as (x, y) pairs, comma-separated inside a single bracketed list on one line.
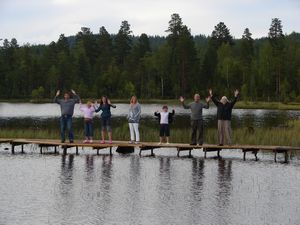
[(42, 21)]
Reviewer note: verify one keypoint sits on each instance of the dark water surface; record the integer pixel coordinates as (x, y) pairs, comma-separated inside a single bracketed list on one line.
[(90, 189)]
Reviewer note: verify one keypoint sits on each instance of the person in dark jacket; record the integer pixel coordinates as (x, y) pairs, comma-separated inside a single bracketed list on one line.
[(67, 110), (105, 105), (224, 111), (165, 118)]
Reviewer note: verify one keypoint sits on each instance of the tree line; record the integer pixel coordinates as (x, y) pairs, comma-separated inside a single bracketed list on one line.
[(119, 65)]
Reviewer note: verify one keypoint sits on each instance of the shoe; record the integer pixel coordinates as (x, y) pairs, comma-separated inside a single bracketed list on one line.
[(62, 141), (90, 141), (193, 143), (159, 143), (220, 144), (131, 142), (167, 143), (137, 142), (71, 141), (102, 142), (199, 144), (86, 141), (110, 142)]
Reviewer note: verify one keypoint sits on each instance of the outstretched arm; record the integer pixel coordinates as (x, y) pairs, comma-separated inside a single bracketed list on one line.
[(76, 97), (236, 95), (56, 100), (111, 105), (181, 99), (207, 102), (213, 97)]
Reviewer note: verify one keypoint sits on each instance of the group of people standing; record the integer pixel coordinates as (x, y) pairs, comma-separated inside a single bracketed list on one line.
[(67, 104)]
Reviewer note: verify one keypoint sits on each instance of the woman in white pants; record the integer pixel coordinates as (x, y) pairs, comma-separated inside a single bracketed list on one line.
[(134, 116)]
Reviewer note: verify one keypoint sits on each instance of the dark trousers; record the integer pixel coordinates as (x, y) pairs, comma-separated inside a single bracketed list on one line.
[(197, 125), (88, 128), (66, 124)]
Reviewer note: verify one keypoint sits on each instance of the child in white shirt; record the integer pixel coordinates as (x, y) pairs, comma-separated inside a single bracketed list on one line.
[(165, 118)]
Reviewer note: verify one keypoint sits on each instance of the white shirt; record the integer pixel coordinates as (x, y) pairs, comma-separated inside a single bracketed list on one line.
[(164, 118)]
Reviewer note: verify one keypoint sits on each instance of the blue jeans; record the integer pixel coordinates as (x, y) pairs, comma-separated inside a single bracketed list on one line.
[(66, 124), (88, 128)]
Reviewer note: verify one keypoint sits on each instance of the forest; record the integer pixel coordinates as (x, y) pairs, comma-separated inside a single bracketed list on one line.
[(155, 67)]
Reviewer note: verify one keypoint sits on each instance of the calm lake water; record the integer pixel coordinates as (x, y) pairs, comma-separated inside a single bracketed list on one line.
[(128, 189)]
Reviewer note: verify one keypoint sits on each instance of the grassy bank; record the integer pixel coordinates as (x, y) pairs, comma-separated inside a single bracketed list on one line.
[(285, 136)]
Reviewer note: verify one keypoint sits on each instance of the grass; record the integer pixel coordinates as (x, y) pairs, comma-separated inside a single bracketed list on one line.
[(283, 136)]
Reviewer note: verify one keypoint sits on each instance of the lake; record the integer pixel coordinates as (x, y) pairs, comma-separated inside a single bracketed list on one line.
[(128, 189)]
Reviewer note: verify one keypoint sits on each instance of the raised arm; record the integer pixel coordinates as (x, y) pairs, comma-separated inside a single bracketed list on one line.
[(181, 99), (76, 97), (207, 100), (156, 113), (56, 99), (236, 95), (111, 105), (213, 98)]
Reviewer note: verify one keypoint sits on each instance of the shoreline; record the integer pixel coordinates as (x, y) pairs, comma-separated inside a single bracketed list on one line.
[(239, 104)]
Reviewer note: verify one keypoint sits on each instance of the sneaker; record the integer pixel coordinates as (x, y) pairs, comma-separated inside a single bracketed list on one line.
[(137, 142), (159, 143), (193, 143), (91, 141), (63, 141), (131, 142), (167, 143), (71, 141), (102, 142), (86, 141), (110, 142)]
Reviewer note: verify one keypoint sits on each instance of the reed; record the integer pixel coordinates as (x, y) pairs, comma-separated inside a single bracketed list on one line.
[(284, 136)]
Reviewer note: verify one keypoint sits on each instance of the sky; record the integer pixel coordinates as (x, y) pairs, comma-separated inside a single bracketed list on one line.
[(42, 21)]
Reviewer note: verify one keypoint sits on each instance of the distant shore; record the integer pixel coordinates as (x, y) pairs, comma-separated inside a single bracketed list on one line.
[(239, 104)]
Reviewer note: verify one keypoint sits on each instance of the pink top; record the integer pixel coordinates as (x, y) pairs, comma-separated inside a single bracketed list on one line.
[(87, 112)]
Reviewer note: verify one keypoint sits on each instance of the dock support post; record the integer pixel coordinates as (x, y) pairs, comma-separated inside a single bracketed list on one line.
[(41, 149), (97, 151), (77, 150), (204, 149), (255, 154), (22, 148), (12, 148), (110, 150), (55, 149), (218, 154), (275, 155), (244, 157), (190, 153), (178, 151), (152, 154), (286, 156)]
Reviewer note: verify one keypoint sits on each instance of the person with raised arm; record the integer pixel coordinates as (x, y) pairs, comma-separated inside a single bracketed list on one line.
[(224, 111), (105, 105), (196, 108), (67, 105)]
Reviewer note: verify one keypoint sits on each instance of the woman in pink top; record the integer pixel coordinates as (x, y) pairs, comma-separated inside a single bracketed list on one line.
[(88, 111)]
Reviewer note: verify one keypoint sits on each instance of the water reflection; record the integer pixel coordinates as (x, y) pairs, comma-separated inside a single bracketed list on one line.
[(224, 191)]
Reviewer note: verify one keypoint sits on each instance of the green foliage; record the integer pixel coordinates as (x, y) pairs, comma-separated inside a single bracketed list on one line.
[(38, 93), (155, 67)]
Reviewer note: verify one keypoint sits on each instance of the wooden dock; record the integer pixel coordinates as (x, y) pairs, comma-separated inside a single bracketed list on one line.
[(148, 146)]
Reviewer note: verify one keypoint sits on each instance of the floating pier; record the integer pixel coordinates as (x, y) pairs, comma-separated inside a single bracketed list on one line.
[(149, 146)]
